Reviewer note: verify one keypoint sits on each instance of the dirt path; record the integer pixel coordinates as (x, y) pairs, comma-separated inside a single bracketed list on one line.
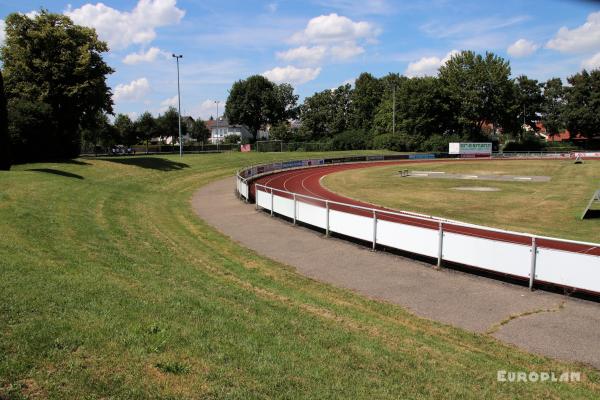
[(541, 322)]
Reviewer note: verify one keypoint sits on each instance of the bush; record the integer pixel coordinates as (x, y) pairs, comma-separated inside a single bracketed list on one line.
[(394, 142), (527, 143), (231, 139), (439, 143), (351, 140)]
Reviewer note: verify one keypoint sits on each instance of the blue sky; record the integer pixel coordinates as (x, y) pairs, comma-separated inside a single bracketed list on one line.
[(317, 44)]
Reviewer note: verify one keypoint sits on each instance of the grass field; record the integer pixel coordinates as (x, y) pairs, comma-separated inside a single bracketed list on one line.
[(111, 287), (546, 208)]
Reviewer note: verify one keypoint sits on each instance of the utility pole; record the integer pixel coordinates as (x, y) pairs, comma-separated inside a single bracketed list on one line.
[(179, 105), (394, 109)]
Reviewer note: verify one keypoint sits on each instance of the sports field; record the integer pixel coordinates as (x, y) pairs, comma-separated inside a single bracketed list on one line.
[(550, 208), (111, 287)]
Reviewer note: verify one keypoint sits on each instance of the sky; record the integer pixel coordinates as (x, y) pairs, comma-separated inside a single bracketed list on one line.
[(316, 44)]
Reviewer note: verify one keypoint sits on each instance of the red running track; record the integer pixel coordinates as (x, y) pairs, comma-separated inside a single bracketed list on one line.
[(308, 182)]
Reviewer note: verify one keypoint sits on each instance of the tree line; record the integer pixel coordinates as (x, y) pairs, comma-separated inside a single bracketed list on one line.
[(55, 98), (473, 98)]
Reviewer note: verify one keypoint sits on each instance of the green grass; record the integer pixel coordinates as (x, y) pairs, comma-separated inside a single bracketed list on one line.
[(111, 287), (546, 208)]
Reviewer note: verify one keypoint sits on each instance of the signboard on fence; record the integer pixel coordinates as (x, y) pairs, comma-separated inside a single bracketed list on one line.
[(474, 149), (245, 148)]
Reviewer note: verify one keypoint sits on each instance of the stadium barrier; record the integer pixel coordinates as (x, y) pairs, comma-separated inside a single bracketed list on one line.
[(537, 259)]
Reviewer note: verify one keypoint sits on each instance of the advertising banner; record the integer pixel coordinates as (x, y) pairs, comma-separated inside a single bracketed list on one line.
[(470, 148)]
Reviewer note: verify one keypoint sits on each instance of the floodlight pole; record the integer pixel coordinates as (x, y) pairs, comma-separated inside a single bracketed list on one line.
[(394, 109), (179, 105)]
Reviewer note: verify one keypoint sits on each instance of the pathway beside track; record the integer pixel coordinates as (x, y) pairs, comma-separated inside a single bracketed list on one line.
[(542, 322)]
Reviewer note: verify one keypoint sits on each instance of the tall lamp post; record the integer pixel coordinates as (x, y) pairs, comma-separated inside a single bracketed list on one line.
[(179, 105)]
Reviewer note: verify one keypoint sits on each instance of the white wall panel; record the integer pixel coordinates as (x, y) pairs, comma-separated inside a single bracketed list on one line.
[(283, 206), (356, 226), (569, 269), (263, 199), (504, 257), (407, 237), (310, 214)]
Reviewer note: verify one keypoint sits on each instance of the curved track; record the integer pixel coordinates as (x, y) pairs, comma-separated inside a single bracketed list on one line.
[(308, 182)]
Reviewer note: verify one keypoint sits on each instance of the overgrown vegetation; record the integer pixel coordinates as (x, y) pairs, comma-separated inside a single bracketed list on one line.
[(113, 288)]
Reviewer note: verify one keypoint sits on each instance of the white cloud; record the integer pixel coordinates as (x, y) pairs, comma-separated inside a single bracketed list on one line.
[(522, 48), (134, 90), (2, 32), (346, 51), (151, 55), (592, 62), (170, 102), (291, 74), (469, 29), (427, 66), (583, 38), (123, 28), (331, 37), (303, 54), (334, 28)]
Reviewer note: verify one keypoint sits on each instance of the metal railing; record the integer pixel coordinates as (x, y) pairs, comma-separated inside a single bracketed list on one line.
[(462, 234)]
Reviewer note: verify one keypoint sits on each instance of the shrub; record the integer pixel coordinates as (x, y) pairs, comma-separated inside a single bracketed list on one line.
[(527, 143), (351, 140)]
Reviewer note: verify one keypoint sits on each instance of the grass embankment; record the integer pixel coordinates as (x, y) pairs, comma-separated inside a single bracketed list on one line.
[(549, 208), (112, 288)]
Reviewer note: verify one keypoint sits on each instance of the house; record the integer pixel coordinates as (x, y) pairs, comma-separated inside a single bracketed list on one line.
[(563, 136), (221, 128)]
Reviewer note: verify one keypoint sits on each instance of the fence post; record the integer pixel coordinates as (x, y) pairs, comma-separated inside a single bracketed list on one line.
[(294, 208), (533, 262), (374, 229), (271, 202), (326, 218), (440, 244)]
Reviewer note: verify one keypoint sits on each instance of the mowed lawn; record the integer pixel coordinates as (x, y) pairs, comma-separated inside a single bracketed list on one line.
[(111, 287), (549, 208)]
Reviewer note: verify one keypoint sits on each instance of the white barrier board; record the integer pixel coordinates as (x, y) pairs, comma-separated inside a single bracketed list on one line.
[(283, 206), (263, 199), (312, 215), (407, 237), (504, 257), (569, 269), (355, 226)]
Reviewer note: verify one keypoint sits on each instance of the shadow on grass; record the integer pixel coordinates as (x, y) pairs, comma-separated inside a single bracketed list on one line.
[(157, 163), (56, 172)]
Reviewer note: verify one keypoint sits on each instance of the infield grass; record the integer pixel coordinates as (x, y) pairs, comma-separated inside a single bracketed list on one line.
[(549, 208), (111, 287)]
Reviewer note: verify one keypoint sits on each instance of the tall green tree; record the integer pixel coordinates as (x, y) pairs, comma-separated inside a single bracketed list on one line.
[(200, 131), (256, 102), (327, 113), (553, 106), (146, 127), (581, 112), (365, 98), (168, 125), (529, 100), (480, 89), (422, 109), (5, 158), (100, 133), (126, 130), (50, 60)]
